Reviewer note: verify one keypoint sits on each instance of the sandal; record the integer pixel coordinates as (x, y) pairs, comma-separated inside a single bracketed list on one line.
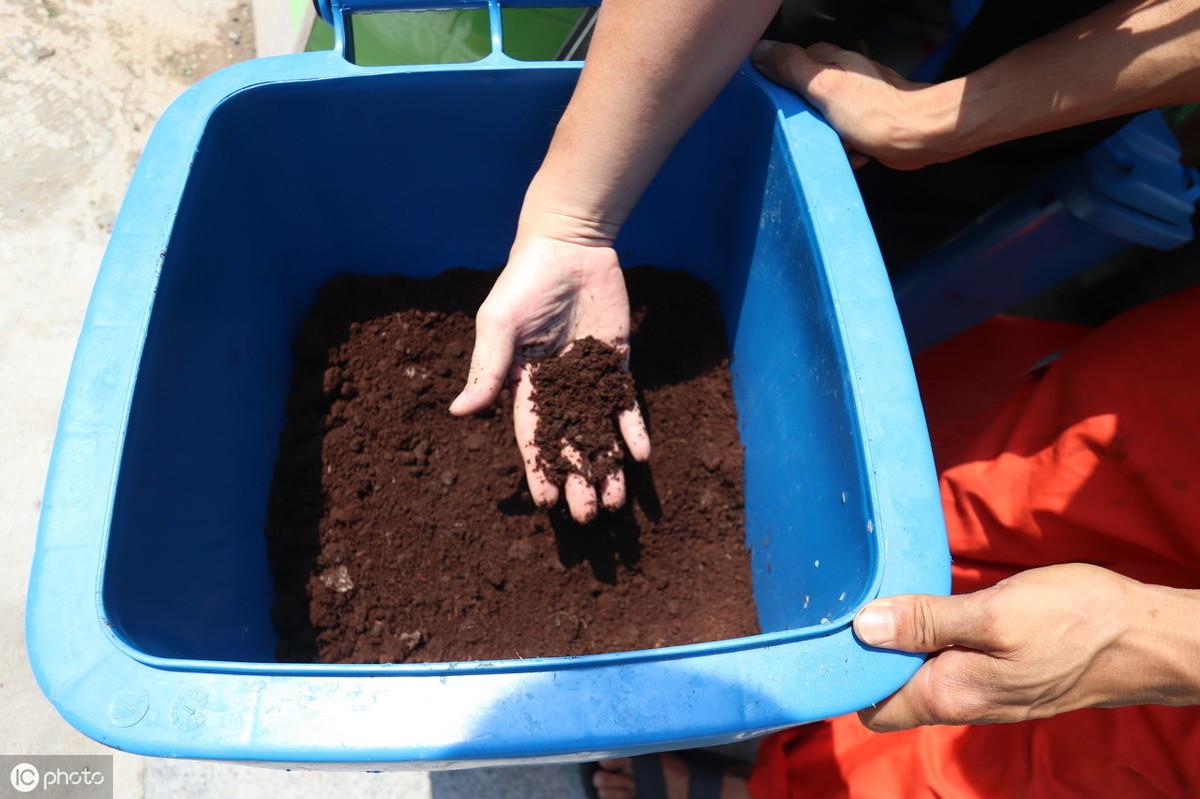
[(705, 771)]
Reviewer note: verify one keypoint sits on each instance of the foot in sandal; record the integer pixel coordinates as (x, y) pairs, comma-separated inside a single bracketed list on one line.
[(691, 775)]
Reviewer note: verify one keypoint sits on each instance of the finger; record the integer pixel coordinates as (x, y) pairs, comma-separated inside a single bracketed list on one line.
[(612, 780), (790, 66), (633, 430), (857, 159), (924, 623), (612, 785), (905, 709), (581, 495), (612, 492), (490, 361), (544, 492), (947, 689), (581, 499), (621, 764), (824, 52), (616, 793)]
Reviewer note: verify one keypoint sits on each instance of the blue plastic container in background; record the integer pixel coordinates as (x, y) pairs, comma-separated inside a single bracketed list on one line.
[(1129, 189), (148, 619)]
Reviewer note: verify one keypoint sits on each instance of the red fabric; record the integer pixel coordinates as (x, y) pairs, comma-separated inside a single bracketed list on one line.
[(1095, 458)]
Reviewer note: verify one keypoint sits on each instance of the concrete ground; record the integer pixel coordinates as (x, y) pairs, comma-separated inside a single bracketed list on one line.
[(81, 83)]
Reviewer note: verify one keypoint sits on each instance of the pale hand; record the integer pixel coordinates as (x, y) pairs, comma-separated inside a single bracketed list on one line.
[(551, 293)]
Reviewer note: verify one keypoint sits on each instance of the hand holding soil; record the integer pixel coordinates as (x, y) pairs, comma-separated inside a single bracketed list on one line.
[(550, 294), (577, 398)]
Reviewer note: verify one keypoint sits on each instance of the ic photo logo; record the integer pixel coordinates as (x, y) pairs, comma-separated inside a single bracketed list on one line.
[(57, 776), (24, 777)]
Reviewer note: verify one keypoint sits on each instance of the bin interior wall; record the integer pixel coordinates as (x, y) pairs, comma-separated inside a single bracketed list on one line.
[(295, 182)]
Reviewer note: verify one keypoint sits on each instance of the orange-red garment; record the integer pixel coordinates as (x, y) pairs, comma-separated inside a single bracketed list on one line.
[(1095, 458)]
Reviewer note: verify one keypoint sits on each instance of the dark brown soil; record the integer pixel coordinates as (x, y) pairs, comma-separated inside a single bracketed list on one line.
[(399, 533), (578, 398)]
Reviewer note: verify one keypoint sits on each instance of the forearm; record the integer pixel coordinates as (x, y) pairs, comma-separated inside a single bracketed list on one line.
[(1161, 644), (652, 68), (1124, 58)]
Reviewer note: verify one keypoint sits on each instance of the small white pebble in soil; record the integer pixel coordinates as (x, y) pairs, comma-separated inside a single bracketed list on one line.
[(410, 371), (337, 579)]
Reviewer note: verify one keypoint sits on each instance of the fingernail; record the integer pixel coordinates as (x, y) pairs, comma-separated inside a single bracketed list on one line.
[(875, 625), (763, 49), (458, 401)]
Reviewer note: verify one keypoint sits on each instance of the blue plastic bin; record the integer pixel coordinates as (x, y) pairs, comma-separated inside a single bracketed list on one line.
[(148, 617), (1129, 189)]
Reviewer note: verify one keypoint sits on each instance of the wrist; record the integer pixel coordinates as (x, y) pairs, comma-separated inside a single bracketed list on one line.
[(548, 212), (1161, 640), (941, 129)]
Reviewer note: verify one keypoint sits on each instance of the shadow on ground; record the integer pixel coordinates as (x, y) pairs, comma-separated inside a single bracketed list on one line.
[(515, 782)]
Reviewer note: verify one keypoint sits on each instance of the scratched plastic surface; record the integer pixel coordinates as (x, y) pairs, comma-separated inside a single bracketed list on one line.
[(148, 619)]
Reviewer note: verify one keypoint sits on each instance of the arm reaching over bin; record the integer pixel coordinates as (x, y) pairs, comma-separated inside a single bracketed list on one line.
[(1129, 56), (651, 69)]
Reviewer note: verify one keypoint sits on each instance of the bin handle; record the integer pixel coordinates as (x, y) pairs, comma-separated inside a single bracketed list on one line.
[(337, 13)]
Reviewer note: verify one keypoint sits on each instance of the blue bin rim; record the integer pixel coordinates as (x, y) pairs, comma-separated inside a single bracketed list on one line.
[(286, 713)]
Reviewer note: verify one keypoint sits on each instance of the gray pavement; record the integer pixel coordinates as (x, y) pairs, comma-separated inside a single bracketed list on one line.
[(191, 780)]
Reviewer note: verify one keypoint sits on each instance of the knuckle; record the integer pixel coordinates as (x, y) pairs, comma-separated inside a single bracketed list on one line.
[(782, 54), (948, 697), (992, 623), (823, 81), (942, 706), (490, 316), (918, 624), (822, 49), (964, 683), (996, 631)]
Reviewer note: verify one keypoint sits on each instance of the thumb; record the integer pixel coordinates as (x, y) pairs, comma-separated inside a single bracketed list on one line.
[(489, 365), (791, 66), (923, 623)]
